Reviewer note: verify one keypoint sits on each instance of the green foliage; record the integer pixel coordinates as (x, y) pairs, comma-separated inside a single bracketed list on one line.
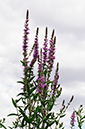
[(2, 123), (80, 116)]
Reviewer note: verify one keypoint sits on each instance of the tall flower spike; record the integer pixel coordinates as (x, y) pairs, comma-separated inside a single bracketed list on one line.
[(27, 15), (52, 34), (45, 48), (56, 77), (72, 120), (41, 78), (40, 65), (36, 52), (51, 56), (25, 46)]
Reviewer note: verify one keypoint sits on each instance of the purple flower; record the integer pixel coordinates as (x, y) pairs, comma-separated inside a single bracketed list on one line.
[(45, 48), (41, 79), (72, 119), (36, 52), (45, 51), (41, 85), (25, 47), (51, 56), (55, 82)]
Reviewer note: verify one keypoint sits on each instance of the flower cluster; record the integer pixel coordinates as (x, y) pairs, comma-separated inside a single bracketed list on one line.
[(56, 77), (36, 46), (46, 61), (41, 78), (72, 119), (45, 45), (25, 46), (51, 56)]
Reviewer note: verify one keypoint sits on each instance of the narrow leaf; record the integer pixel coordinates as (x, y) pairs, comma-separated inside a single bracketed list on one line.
[(14, 103), (12, 114)]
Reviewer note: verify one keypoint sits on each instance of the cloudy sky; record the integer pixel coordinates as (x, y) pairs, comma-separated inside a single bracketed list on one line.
[(67, 17)]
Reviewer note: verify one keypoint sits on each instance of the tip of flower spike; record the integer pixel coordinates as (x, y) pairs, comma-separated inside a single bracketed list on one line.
[(58, 85), (46, 31), (52, 33), (63, 102), (37, 31), (72, 98), (27, 14), (41, 52), (57, 66), (54, 39)]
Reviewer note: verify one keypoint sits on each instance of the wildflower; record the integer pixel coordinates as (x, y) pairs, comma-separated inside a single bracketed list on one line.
[(36, 52), (51, 56), (41, 79), (25, 46), (45, 48), (56, 77), (72, 119)]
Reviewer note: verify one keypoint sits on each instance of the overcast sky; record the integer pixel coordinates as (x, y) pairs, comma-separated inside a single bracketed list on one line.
[(67, 17)]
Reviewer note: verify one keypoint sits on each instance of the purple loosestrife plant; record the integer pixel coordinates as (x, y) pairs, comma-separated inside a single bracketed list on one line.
[(48, 90), (34, 105), (25, 103)]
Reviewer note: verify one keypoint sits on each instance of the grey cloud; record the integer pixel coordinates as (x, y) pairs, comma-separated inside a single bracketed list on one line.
[(69, 75), (66, 17)]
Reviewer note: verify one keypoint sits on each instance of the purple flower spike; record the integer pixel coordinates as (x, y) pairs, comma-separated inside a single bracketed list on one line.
[(25, 47), (72, 119), (56, 77), (36, 52), (41, 79), (45, 48), (51, 56)]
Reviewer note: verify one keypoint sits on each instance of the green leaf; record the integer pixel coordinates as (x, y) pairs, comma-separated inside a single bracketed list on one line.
[(48, 116), (10, 127), (27, 70), (39, 109), (45, 72), (82, 122), (22, 124), (35, 96), (22, 93), (26, 107), (25, 116), (2, 126), (49, 124), (13, 114), (23, 63), (62, 115), (14, 103), (50, 105), (60, 125), (32, 90), (20, 82), (31, 78), (83, 117), (24, 102), (57, 122)]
